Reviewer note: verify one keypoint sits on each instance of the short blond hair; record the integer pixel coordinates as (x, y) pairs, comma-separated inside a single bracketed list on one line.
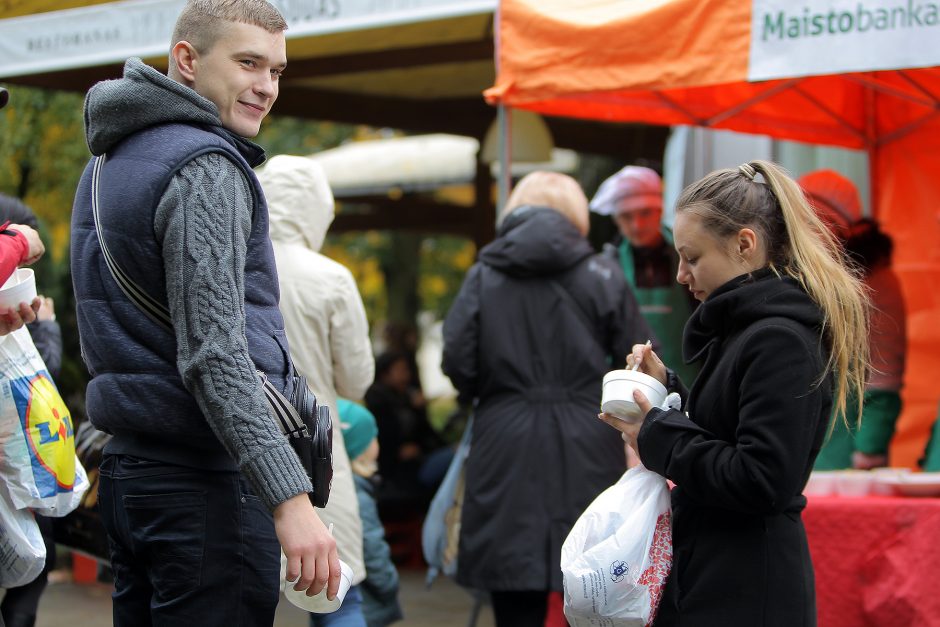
[(553, 190), (203, 22)]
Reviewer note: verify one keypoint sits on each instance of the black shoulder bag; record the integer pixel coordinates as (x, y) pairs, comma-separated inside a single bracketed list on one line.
[(307, 425)]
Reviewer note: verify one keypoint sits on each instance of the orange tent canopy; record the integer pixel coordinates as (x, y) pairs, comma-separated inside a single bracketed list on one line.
[(848, 73)]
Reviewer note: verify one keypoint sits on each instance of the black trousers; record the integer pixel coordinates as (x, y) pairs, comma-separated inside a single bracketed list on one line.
[(519, 608), (188, 546)]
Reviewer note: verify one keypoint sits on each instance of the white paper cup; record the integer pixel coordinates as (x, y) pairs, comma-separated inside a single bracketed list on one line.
[(19, 288), (318, 603), (617, 394), (853, 483), (821, 483)]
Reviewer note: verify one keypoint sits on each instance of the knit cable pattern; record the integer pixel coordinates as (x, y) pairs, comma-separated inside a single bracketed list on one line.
[(204, 221)]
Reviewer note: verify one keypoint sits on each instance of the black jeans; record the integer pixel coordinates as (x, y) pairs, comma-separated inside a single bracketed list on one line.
[(519, 608), (188, 546)]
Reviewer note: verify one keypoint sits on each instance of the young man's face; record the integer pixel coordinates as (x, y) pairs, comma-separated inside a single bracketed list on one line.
[(640, 225), (240, 74)]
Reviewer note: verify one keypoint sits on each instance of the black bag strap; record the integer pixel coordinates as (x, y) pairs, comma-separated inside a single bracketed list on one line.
[(287, 416)]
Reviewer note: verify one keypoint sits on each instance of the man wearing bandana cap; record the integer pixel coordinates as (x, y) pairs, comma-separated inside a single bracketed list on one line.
[(634, 198)]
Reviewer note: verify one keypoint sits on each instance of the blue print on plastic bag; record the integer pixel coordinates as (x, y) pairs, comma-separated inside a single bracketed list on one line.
[(48, 433)]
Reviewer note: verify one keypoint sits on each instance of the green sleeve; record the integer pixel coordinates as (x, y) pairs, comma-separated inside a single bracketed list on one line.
[(931, 461), (879, 414)]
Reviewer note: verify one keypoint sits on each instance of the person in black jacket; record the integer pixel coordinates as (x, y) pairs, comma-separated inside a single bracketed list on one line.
[(781, 335), (407, 441), (535, 326)]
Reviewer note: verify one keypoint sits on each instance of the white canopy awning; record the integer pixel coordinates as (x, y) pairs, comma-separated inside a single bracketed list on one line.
[(415, 163)]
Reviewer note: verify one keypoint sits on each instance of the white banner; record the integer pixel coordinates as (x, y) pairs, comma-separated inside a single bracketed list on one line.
[(809, 37), (112, 32)]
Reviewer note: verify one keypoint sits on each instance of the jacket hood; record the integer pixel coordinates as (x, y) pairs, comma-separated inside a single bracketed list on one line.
[(744, 300), (300, 203), (535, 241), (143, 98)]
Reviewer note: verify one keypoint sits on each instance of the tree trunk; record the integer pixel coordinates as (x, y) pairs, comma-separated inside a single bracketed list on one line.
[(401, 271)]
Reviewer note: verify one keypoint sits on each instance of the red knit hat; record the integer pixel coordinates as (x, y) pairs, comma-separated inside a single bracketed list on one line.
[(835, 199)]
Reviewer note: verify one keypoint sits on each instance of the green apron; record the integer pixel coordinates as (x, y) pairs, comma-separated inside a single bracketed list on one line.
[(665, 309), (931, 461), (880, 410)]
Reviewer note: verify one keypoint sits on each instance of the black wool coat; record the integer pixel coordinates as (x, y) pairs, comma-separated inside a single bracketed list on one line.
[(757, 416), (534, 359)]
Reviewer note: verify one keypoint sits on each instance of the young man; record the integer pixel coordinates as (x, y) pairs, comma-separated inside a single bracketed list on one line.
[(634, 198), (196, 465)]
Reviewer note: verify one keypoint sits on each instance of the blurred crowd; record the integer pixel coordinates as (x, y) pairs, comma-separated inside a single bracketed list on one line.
[(769, 306)]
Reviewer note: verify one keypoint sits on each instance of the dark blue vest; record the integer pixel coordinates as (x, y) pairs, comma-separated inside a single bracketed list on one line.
[(136, 391)]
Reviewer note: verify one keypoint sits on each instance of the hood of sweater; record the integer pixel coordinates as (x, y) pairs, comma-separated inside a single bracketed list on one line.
[(744, 300), (535, 241), (144, 97)]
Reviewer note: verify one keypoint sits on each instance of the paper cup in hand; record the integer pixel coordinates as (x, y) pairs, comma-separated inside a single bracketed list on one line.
[(318, 603), (617, 395), (19, 288)]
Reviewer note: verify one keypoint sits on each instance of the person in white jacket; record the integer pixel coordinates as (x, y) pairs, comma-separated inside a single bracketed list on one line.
[(326, 328)]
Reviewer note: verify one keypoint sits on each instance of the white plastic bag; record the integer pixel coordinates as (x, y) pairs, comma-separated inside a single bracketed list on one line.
[(22, 551), (37, 441), (617, 557)]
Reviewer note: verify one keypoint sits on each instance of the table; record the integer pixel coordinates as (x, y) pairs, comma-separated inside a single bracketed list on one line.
[(877, 560)]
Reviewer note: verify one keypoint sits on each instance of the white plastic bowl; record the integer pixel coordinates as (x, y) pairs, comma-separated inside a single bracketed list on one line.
[(319, 603), (918, 484), (617, 393), (854, 483), (821, 483), (884, 480), (19, 288)]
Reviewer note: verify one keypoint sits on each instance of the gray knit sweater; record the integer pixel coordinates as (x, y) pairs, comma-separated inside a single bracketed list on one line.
[(203, 222)]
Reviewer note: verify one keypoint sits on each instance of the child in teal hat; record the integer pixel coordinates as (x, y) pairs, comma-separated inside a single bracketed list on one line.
[(380, 588)]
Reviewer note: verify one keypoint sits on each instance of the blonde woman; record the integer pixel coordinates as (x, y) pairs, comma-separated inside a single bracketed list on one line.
[(529, 338), (781, 336)]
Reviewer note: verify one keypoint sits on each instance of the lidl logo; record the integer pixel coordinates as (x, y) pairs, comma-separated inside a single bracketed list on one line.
[(49, 433)]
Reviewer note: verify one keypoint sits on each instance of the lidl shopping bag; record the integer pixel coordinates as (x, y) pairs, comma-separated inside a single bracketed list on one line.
[(37, 443), (22, 551), (617, 557)]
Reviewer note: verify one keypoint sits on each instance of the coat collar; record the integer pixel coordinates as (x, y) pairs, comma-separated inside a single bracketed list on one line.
[(742, 301)]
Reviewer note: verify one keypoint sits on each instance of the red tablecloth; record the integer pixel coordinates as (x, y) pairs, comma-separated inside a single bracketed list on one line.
[(877, 560)]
